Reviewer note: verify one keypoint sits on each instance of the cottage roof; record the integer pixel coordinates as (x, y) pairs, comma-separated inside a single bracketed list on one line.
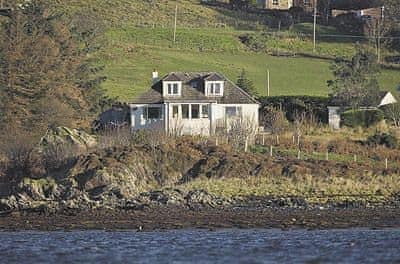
[(193, 90)]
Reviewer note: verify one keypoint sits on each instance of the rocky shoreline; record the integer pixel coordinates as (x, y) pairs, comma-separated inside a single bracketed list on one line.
[(166, 218), (126, 187), (175, 209)]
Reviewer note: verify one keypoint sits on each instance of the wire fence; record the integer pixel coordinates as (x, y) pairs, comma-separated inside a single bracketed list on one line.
[(301, 148)]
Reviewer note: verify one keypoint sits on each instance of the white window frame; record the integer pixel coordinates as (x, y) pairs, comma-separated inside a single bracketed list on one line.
[(210, 88), (168, 84), (190, 117), (238, 111)]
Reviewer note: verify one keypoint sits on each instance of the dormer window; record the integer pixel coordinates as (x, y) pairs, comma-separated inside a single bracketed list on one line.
[(215, 88), (172, 88)]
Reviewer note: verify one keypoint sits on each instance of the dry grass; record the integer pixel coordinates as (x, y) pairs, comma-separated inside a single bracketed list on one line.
[(307, 186)]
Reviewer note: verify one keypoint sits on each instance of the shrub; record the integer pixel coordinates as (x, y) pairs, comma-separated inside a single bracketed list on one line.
[(362, 118), (294, 106), (392, 113), (274, 120), (384, 139)]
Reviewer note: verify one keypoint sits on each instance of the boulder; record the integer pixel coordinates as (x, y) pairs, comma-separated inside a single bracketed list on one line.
[(39, 189), (66, 136), (200, 198)]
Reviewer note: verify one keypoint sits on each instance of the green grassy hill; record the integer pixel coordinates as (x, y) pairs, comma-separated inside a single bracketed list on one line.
[(140, 38)]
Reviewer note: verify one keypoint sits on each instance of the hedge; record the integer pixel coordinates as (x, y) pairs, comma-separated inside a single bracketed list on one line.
[(293, 105), (362, 118)]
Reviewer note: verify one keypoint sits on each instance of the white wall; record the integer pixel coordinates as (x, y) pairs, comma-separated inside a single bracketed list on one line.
[(334, 117), (198, 126)]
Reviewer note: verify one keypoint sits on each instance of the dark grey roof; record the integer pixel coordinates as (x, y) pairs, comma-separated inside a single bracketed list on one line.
[(193, 90), (214, 77), (172, 77)]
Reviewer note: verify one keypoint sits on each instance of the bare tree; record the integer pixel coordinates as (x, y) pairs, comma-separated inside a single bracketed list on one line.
[(241, 131), (274, 120), (393, 113)]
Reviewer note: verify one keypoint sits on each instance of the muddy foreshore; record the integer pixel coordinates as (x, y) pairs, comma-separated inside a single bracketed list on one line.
[(164, 218)]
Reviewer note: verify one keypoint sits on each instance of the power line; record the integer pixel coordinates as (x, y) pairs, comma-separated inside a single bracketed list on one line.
[(329, 35)]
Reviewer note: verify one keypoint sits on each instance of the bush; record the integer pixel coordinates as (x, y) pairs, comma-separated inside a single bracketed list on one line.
[(392, 113), (294, 106), (384, 139), (362, 118), (274, 120)]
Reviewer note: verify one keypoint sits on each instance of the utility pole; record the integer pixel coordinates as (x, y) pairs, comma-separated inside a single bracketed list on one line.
[(268, 84), (315, 26), (380, 23), (176, 20)]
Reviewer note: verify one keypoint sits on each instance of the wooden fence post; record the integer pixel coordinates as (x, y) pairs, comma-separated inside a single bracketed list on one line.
[(277, 139), (271, 151), (299, 155), (216, 141), (327, 156), (246, 145), (263, 139), (355, 158), (386, 163)]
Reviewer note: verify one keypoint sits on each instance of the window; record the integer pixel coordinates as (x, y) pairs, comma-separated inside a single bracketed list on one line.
[(195, 111), (214, 88), (275, 2), (232, 111), (307, 3), (153, 112), (173, 89), (204, 111), (175, 111), (185, 111)]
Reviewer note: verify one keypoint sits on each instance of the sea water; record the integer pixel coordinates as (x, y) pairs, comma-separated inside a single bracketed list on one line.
[(202, 246)]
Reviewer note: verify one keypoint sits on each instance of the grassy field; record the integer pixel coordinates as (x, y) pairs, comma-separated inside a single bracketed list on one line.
[(141, 38), (135, 52)]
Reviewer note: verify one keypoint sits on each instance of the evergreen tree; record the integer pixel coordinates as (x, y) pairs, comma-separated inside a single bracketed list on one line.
[(355, 82), (47, 76), (246, 84)]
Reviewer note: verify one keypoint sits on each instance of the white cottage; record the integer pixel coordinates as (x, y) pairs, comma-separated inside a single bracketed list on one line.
[(194, 103)]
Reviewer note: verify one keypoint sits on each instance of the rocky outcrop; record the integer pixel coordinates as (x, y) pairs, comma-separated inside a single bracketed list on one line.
[(66, 136)]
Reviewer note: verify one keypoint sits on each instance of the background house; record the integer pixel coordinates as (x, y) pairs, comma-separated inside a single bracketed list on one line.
[(306, 5), (275, 4), (193, 103), (335, 111)]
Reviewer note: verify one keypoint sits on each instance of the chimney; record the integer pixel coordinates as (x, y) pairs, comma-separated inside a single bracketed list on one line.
[(155, 76)]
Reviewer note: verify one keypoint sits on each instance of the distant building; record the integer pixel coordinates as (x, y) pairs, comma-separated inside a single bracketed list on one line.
[(376, 13), (306, 5), (275, 4)]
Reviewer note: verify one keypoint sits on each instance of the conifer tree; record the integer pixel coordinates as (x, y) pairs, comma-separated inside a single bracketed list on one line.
[(47, 77), (246, 84)]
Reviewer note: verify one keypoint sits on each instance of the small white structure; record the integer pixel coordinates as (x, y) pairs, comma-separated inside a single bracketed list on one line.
[(385, 98), (192, 103), (334, 117)]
